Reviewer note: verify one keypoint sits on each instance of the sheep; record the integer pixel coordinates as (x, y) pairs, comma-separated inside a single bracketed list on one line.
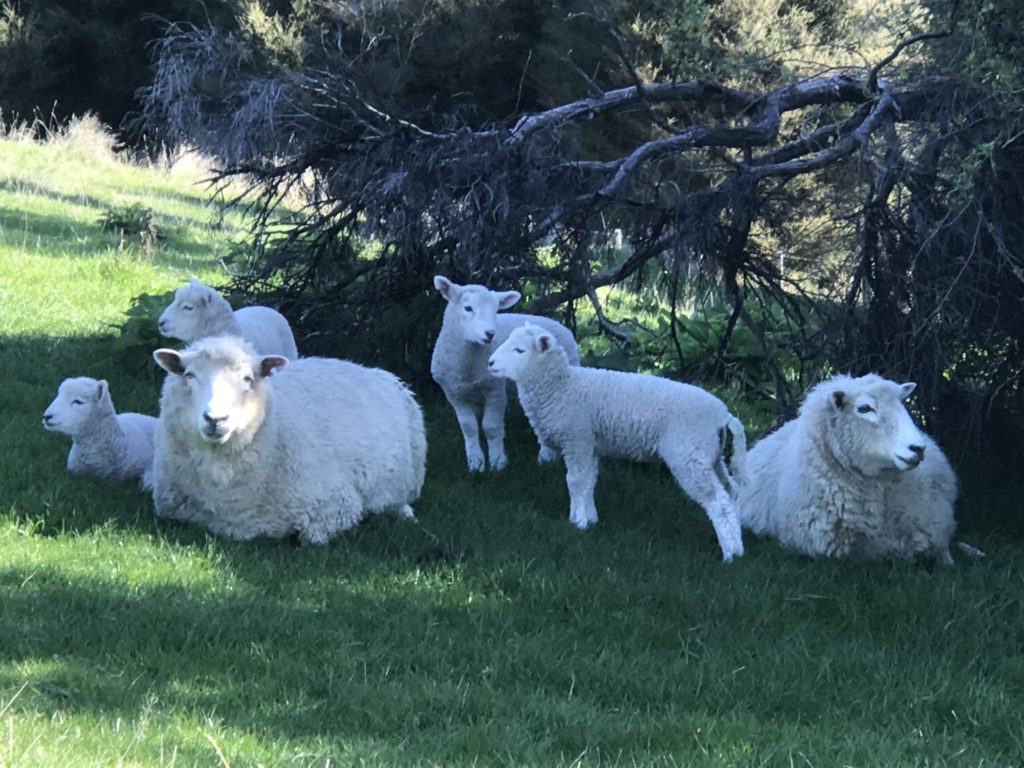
[(252, 445), (588, 412), (198, 311), (110, 445), (852, 475), (470, 331)]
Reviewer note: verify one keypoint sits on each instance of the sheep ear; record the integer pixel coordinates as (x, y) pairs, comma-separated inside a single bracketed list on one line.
[(839, 398), (446, 288), (101, 389), (271, 363), (544, 342), (906, 390), (169, 360), (508, 298)]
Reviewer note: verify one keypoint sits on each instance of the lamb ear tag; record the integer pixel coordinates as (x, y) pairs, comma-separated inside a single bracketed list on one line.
[(270, 364), (839, 398)]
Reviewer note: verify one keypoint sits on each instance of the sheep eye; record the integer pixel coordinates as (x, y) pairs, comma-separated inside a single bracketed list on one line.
[(189, 375), (187, 307), (77, 402), (248, 380), (520, 350), (864, 409), (468, 309)]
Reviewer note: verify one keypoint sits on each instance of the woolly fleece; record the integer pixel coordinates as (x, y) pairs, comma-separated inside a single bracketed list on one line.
[(588, 412), (198, 311), (110, 445), (842, 479), (472, 329), (249, 448)]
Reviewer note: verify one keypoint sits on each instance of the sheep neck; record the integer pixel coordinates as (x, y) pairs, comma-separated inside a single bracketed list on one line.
[(222, 322), (546, 377)]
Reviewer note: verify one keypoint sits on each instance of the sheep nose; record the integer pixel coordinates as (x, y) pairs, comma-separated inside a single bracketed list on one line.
[(47, 417), (918, 449), (162, 325), (212, 420), (489, 335)]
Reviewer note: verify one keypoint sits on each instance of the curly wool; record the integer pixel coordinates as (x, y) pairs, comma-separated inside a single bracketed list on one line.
[(327, 443), (816, 488), (264, 328), (106, 444), (588, 412)]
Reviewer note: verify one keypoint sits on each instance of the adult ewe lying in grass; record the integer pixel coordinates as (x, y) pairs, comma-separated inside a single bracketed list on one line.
[(852, 475), (588, 412), (199, 311), (113, 446), (311, 449), (471, 330)]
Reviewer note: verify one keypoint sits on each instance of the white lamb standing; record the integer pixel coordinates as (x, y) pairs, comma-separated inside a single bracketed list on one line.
[(198, 311), (588, 412), (110, 445), (852, 475), (472, 329), (249, 448)]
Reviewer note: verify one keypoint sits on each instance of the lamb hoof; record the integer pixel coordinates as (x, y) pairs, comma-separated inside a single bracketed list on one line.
[(581, 524), (405, 512), (477, 465), (499, 463)]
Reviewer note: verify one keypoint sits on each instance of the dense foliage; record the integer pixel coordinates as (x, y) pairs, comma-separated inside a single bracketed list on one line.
[(852, 208)]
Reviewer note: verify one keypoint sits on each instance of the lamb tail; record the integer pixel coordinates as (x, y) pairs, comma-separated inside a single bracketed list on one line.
[(733, 451)]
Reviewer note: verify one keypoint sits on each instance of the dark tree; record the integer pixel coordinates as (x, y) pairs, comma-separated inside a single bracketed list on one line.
[(914, 269)]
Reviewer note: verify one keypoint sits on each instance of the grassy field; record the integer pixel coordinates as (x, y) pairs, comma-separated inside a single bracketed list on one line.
[(489, 633)]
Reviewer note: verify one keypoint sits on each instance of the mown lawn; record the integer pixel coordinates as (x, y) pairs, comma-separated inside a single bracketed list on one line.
[(491, 632)]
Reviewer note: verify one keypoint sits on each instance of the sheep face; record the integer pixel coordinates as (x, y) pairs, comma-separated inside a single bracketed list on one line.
[(183, 318), (221, 385), (473, 309), (78, 402), (872, 428), (521, 350)]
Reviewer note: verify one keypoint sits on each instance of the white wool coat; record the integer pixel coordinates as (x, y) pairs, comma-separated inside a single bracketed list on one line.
[(333, 442), (460, 367), (106, 444), (809, 490), (266, 329), (587, 413)]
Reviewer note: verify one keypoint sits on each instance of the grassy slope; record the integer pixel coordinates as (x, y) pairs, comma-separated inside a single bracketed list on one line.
[(489, 633)]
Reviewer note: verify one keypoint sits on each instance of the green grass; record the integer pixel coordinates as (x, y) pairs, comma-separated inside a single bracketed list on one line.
[(489, 633)]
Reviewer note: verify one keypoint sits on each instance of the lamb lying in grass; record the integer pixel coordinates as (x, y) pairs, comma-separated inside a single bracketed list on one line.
[(472, 329), (113, 446), (852, 475), (589, 412), (199, 311), (249, 448)]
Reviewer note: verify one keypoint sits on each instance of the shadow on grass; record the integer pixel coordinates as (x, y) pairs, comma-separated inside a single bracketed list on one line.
[(34, 231), (532, 640), (32, 189)]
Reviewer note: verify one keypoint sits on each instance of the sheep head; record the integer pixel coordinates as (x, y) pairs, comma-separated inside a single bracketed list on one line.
[(473, 309), (79, 402), (188, 316), (869, 427), (221, 381), (523, 349)]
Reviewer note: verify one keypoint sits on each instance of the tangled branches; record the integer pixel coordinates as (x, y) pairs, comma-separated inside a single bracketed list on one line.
[(864, 215)]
